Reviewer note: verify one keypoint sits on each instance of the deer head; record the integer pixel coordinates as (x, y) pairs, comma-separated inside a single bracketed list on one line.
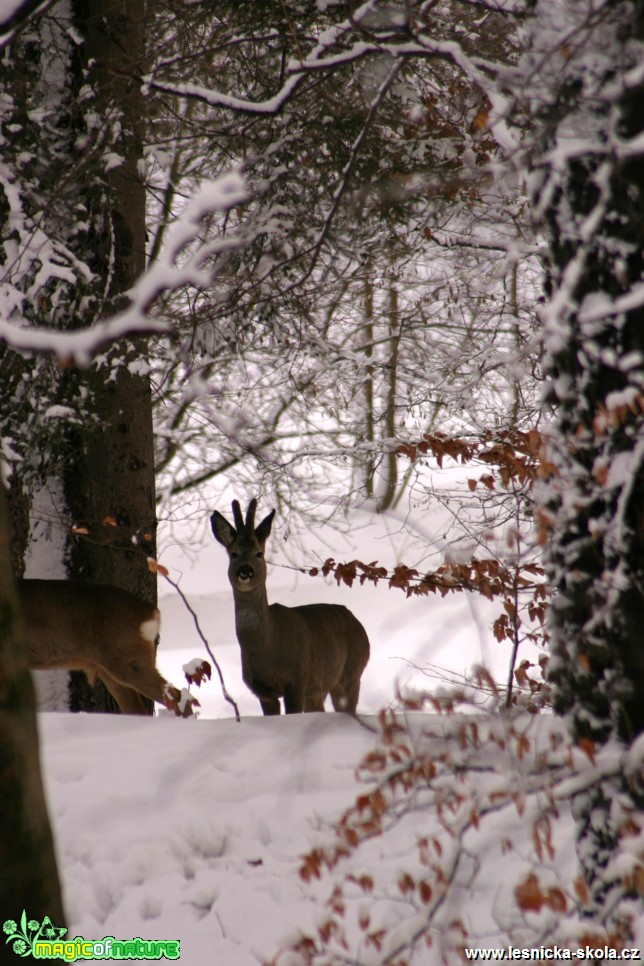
[(245, 546)]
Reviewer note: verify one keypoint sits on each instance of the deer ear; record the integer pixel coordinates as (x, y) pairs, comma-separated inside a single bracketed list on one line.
[(263, 530), (222, 530)]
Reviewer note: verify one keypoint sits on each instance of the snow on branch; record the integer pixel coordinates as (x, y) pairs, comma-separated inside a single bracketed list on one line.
[(295, 71), (15, 13), (397, 37), (186, 260)]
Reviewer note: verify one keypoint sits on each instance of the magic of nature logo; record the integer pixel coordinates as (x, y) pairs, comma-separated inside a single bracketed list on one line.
[(45, 940)]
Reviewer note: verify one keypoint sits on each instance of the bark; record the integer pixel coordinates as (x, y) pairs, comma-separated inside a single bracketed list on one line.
[(368, 338), (596, 554), (109, 484), (593, 202), (29, 879), (18, 517)]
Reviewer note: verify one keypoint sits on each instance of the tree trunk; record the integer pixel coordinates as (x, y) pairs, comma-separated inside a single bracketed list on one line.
[(593, 501), (109, 484), (29, 879)]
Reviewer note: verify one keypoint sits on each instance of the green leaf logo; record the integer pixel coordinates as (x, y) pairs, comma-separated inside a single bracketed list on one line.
[(22, 936)]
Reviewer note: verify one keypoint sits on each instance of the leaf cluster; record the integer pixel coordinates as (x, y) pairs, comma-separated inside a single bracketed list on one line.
[(457, 797)]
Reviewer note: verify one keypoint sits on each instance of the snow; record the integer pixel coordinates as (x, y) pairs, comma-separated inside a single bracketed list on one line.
[(201, 824), (175, 267), (194, 829), (13, 13)]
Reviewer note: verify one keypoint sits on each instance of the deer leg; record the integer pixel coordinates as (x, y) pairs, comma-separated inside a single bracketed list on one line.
[(128, 700), (314, 702), (293, 700), (137, 674), (345, 698), (270, 705)]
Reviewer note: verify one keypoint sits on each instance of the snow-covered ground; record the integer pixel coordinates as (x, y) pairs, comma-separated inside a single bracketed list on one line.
[(194, 830)]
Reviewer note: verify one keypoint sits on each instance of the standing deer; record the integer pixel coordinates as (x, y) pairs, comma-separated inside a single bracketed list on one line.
[(299, 653), (103, 631)]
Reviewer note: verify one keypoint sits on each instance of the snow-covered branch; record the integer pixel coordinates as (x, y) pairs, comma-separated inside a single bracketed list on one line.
[(187, 260), (15, 13)]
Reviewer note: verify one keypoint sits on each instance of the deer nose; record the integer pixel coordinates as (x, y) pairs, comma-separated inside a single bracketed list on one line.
[(245, 573)]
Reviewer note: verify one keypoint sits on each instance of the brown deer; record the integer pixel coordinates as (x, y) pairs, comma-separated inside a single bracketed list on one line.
[(103, 631), (301, 654)]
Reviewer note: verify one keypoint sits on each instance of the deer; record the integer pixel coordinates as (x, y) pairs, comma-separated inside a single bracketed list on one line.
[(104, 631), (301, 654)]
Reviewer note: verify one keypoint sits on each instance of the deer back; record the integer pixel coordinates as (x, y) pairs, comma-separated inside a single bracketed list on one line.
[(73, 625), (105, 632), (323, 639)]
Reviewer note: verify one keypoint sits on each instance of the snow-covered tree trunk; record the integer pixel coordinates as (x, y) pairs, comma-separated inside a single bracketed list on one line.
[(110, 477), (72, 220), (586, 79), (29, 877)]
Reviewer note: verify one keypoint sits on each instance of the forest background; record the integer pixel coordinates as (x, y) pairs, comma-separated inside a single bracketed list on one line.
[(323, 254)]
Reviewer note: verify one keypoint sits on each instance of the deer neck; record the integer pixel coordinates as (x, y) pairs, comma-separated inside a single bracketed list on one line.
[(252, 619)]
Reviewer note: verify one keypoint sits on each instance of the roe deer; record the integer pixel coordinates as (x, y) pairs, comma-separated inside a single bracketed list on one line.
[(299, 653), (103, 631)]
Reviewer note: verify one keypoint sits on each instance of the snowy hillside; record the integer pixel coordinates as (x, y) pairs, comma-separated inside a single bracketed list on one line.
[(194, 830)]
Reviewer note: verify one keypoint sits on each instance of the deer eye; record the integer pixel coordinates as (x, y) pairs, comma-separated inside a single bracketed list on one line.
[(259, 554), (233, 554)]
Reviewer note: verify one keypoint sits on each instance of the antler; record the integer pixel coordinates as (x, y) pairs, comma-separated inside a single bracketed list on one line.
[(249, 525), (237, 515), (250, 516)]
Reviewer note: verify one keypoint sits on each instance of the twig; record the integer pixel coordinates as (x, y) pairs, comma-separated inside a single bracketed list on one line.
[(224, 690)]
